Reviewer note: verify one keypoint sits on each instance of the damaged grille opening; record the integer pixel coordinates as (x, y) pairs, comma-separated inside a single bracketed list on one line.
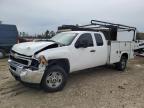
[(34, 64)]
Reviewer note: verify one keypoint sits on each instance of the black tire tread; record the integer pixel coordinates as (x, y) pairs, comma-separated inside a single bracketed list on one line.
[(119, 65), (3, 53), (47, 71)]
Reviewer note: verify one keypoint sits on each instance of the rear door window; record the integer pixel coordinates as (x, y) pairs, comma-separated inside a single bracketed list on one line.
[(99, 40)]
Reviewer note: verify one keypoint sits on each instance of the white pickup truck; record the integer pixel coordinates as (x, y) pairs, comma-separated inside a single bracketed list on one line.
[(48, 63)]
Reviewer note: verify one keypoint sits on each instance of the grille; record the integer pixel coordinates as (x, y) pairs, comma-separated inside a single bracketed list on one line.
[(22, 61)]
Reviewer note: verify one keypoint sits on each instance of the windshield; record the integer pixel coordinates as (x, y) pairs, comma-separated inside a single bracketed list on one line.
[(64, 38)]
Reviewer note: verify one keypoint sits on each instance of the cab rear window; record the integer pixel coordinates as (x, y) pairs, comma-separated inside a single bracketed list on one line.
[(99, 40)]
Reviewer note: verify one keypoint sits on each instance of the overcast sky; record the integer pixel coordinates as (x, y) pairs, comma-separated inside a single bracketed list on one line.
[(36, 16)]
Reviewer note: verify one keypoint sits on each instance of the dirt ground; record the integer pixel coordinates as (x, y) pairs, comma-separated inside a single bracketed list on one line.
[(92, 88)]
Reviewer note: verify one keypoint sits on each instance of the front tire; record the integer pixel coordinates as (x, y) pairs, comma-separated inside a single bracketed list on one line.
[(2, 54), (121, 66), (54, 79)]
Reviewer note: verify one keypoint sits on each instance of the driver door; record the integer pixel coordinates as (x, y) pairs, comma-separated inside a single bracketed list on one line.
[(83, 57)]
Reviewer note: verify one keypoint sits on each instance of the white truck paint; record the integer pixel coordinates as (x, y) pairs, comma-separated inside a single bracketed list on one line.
[(125, 35), (120, 47)]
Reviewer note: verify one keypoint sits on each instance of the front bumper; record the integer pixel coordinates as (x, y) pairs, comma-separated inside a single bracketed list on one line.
[(26, 74)]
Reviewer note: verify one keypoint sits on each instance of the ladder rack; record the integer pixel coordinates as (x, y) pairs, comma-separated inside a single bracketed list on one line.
[(96, 25)]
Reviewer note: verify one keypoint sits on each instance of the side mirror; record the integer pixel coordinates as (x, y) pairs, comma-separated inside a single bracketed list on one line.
[(82, 44)]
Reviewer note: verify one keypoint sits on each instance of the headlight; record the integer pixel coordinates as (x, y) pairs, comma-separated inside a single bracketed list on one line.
[(42, 60)]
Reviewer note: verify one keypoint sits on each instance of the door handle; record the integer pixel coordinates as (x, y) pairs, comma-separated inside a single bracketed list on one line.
[(92, 50)]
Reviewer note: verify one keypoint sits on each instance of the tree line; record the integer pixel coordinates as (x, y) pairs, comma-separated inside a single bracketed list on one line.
[(47, 34)]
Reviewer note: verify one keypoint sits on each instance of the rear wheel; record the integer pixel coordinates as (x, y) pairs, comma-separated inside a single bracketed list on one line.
[(122, 64), (2, 54), (54, 79)]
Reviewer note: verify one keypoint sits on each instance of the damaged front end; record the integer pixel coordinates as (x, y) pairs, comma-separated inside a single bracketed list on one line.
[(31, 73), (27, 68)]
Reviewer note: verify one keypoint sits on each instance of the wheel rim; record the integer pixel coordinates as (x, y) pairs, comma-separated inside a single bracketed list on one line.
[(54, 79), (1, 54)]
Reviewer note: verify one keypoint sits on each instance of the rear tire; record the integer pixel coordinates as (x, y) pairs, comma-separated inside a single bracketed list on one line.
[(54, 79), (2, 54), (121, 66)]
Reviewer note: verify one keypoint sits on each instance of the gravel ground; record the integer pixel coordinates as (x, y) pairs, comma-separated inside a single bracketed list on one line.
[(92, 88)]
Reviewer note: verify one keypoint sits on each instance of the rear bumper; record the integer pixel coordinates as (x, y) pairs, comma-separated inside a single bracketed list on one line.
[(25, 74)]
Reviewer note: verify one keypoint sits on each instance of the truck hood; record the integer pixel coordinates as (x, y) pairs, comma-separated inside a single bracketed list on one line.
[(29, 48)]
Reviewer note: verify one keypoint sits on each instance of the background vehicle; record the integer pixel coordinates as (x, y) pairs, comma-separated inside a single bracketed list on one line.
[(139, 46), (139, 43), (74, 48), (8, 37)]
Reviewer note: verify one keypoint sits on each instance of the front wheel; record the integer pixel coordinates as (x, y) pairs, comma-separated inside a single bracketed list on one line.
[(2, 54), (54, 79), (122, 64)]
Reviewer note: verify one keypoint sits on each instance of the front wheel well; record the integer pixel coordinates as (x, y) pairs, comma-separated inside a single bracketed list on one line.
[(64, 63), (125, 55)]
